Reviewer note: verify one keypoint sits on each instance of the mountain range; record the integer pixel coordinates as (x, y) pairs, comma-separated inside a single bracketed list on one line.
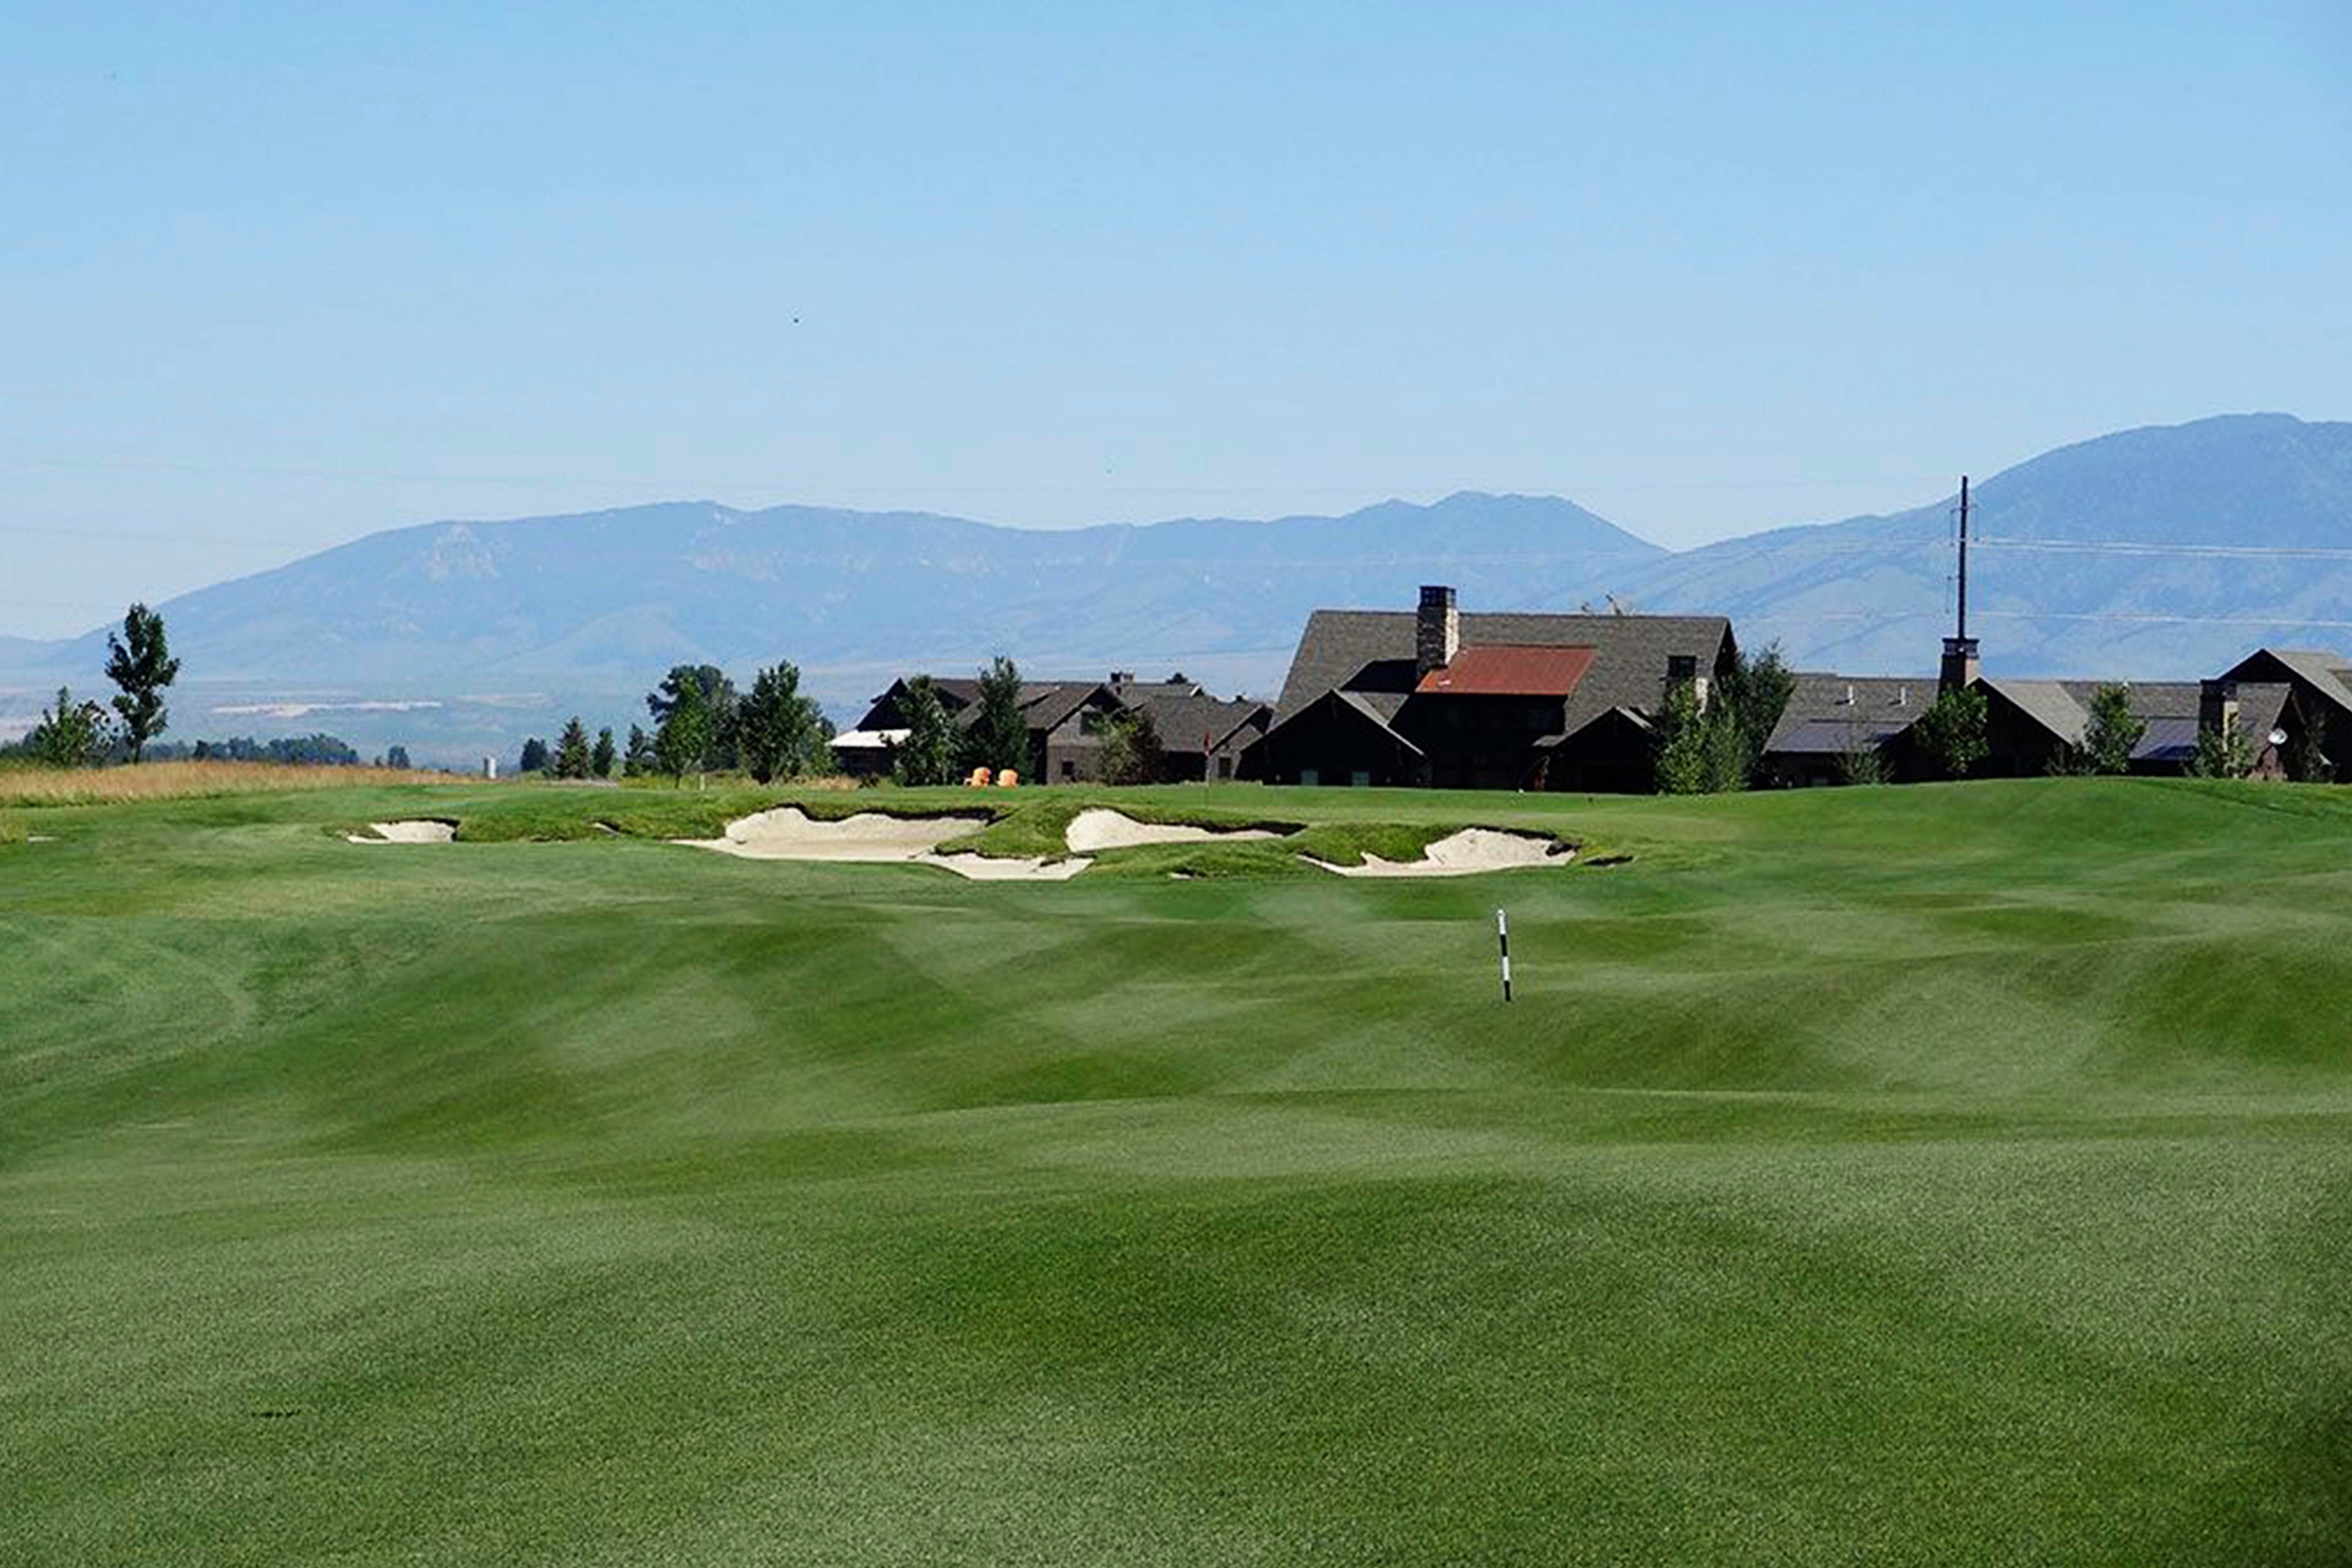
[(2157, 552)]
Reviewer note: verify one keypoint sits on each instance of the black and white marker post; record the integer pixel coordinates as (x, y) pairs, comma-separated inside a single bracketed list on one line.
[(1503, 938)]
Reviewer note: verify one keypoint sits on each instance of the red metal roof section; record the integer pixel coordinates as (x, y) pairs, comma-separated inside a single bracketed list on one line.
[(1503, 669)]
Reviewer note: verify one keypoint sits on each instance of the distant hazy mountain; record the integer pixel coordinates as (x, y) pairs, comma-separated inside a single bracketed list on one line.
[(507, 622), (2088, 560), (458, 638)]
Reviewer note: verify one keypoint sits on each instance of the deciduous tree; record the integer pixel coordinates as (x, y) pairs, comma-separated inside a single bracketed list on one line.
[(927, 754), (1951, 733), (778, 731), (999, 736), (71, 734), (2113, 731), (140, 662)]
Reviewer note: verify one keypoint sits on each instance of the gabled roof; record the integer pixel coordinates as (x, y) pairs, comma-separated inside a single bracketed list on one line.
[(1373, 650), (2326, 673), (1507, 670), (1181, 722), (2046, 702), (2064, 707)]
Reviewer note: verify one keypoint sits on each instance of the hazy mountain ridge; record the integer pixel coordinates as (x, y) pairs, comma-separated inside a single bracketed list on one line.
[(533, 617)]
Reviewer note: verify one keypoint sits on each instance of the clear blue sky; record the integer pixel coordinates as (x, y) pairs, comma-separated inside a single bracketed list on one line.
[(276, 277)]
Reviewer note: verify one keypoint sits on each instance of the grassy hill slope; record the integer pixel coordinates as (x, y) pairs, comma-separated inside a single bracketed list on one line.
[(1936, 1175)]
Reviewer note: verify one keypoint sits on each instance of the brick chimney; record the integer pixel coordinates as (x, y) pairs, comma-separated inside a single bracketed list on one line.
[(1961, 666), (1437, 631)]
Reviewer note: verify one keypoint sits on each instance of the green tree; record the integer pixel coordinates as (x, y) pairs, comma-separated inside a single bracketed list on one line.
[(2113, 731), (1951, 733), (1682, 742), (999, 736), (2306, 760), (2222, 752), (140, 662), (600, 760), (1747, 703), (780, 732), (638, 756), (1130, 752), (571, 750), (682, 744), (70, 735), (397, 758), (534, 756), (927, 755), (719, 708)]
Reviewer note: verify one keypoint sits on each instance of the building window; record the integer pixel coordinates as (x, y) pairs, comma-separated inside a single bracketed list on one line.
[(1224, 767), (1681, 666), (1360, 779), (1069, 769), (1309, 776)]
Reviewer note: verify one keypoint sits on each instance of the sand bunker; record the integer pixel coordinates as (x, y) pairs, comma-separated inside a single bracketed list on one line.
[(419, 832), (1000, 868), (1472, 850), (1102, 829), (788, 833)]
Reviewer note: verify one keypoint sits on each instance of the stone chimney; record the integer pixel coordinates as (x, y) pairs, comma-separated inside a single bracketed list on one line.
[(2217, 706), (1436, 632), (1961, 666)]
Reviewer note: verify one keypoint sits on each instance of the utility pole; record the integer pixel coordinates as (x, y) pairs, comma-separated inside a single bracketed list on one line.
[(1964, 558), (1960, 666)]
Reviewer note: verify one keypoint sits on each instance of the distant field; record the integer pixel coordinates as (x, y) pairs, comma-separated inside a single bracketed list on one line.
[(26, 786), (1936, 1175)]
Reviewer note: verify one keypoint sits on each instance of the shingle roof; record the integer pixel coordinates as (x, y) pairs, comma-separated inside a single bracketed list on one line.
[(2047, 702), (1835, 737), (1181, 722), (1373, 650), (1503, 670), (1891, 703), (2325, 670)]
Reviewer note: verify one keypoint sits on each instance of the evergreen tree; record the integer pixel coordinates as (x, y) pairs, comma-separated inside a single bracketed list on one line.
[(2222, 752), (637, 760), (1751, 698), (600, 760), (534, 756), (1951, 733), (928, 753), (2113, 731), (780, 732), (140, 662), (1130, 751), (999, 736), (571, 750)]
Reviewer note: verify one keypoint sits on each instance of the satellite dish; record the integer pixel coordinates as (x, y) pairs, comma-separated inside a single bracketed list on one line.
[(2278, 737)]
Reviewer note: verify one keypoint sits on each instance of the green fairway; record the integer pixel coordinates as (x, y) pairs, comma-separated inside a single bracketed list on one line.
[(1935, 1175)]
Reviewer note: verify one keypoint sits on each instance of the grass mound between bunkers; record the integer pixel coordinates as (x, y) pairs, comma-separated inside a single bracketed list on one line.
[(1935, 1175)]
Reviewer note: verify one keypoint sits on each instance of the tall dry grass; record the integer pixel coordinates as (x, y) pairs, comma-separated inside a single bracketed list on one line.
[(171, 781)]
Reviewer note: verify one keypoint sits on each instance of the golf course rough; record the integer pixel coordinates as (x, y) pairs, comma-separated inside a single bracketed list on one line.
[(1927, 1176)]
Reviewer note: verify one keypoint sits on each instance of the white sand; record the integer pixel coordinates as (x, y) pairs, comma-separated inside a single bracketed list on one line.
[(406, 833), (1002, 868), (1100, 828), (788, 833), (1472, 850)]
